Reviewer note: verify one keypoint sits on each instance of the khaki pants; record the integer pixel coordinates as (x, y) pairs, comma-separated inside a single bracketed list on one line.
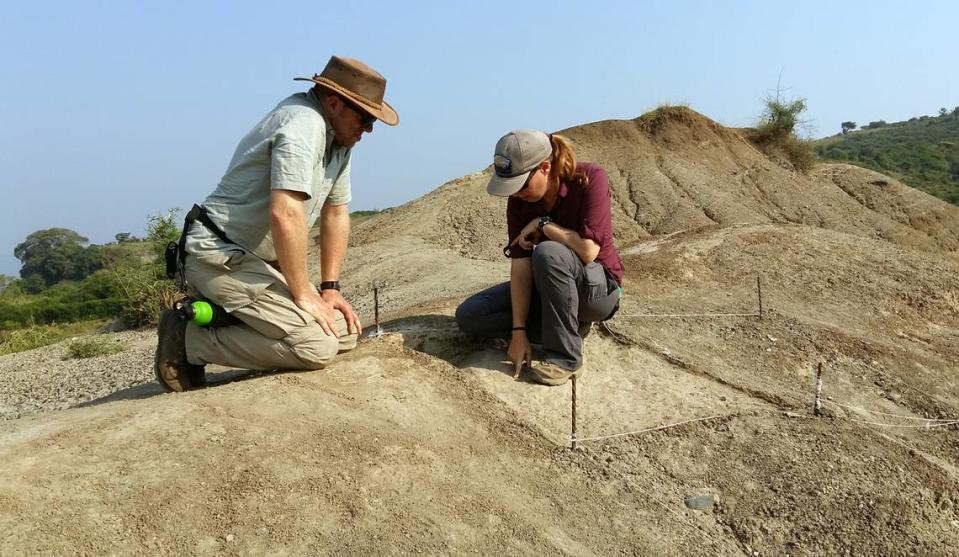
[(274, 334)]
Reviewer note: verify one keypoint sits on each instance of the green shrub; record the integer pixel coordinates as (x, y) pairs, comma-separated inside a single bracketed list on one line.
[(776, 132), (139, 277), (161, 230), (92, 347), (144, 290)]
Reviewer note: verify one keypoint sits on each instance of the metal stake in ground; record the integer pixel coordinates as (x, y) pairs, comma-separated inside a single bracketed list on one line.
[(572, 436), (817, 408), (759, 291), (376, 308)]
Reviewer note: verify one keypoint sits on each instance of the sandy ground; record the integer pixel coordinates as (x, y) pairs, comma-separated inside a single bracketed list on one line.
[(419, 441)]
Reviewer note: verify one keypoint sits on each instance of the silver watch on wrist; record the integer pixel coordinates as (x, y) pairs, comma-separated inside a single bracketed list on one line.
[(543, 221)]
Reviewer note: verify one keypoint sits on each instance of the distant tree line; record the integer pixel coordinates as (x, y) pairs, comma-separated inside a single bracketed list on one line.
[(944, 112), (63, 278), (922, 152)]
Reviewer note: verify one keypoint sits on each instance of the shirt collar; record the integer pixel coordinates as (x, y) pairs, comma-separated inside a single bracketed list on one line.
[(330, 133)]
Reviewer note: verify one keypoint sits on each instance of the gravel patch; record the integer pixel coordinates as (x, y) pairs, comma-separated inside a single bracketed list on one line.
[(41, 380)]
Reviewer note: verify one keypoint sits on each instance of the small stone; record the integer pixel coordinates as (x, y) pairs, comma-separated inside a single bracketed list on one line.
[(229, 538), (703, 502)]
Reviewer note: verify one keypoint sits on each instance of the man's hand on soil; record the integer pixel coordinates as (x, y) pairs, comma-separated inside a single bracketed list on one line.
[(338, 302), (321, 310)]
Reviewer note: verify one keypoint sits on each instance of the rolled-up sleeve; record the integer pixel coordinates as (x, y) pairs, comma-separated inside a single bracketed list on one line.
[(596, 223), (293, 156)]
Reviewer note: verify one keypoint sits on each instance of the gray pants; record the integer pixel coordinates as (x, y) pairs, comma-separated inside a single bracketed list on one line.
[(567, 297)]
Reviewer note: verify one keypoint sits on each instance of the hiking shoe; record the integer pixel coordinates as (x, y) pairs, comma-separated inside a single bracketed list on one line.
[(550, 374), (197, 375), (172, 369)]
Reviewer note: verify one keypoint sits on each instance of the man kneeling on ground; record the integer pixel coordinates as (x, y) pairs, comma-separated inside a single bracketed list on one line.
[(247, 249)]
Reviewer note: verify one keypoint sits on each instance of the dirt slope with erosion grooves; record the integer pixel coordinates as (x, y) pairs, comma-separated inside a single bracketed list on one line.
[(674, 169), (859, 270), (418, 441)]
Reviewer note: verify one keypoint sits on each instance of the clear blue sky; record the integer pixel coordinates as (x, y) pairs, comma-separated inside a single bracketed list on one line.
[(111, 111)]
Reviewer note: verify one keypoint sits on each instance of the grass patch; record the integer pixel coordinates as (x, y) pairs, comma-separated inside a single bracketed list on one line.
[(655, 119), (92, 347), (21, 340), (356, 217)]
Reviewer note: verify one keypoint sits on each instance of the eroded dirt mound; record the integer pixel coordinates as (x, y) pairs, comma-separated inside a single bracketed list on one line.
[(901, 203), (421, 441), (674, 169)]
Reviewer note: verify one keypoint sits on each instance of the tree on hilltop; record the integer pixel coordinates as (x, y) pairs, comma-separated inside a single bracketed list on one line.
[(848, 127)]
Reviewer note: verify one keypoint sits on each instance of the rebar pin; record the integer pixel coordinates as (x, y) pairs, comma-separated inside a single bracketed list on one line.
[(378, 331)]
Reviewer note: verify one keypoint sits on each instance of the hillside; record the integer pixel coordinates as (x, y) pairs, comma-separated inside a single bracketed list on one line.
[(420, 441), (922, 152)]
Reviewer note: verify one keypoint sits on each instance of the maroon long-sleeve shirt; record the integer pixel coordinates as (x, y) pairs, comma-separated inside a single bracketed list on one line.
[(584, 209)]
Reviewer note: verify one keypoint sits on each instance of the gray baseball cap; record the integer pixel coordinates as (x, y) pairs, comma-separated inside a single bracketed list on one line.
[(517, 154)]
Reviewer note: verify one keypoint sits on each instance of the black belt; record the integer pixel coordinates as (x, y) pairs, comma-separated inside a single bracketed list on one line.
[(176, 251)]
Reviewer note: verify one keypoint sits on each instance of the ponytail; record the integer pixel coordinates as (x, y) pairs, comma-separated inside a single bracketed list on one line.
[(563, 161)]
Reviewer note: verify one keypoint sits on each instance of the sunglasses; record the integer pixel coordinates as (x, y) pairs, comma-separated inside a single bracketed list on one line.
[(526, 183), (366, 119)]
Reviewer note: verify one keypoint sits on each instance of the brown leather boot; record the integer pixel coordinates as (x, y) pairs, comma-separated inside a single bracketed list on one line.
[(172, 369)]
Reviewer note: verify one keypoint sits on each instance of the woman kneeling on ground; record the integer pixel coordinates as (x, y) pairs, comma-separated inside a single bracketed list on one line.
[(565, 273)]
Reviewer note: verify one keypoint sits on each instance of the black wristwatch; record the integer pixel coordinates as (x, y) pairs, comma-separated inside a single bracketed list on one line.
[(330, 285), (543, 221)]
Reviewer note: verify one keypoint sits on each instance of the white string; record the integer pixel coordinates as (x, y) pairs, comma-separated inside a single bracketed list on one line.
[(578, 440), (929, 424), (687, 315), (924, 426), (893, 415)]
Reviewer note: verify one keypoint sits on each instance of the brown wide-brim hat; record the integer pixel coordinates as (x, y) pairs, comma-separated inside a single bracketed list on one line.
[(359, 83)]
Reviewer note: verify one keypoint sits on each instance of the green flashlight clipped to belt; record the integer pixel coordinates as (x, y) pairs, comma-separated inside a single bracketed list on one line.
[(203, 313)]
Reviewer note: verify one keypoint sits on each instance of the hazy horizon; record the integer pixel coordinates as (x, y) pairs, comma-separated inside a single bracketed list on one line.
[(114, 112)]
